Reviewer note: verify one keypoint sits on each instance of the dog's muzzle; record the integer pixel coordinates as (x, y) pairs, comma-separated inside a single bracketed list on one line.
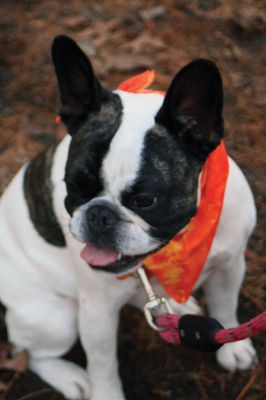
[(103, 220), (101, 217)]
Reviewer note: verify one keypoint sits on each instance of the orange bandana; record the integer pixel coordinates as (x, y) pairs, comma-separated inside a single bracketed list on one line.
[(178, 265)]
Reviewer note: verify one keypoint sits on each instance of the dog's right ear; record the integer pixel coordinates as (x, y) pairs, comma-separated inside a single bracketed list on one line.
[(80, 90)]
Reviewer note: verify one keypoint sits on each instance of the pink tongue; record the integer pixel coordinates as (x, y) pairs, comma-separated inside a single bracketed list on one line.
[(97, 256)]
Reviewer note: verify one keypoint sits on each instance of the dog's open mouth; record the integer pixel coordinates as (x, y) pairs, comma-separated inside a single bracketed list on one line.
[(109, 260)]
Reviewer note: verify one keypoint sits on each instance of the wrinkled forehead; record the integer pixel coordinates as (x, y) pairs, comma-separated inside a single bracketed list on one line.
[(123, 160)]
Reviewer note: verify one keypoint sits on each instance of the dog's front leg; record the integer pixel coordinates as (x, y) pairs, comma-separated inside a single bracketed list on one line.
[(98, 330), (222, 289)]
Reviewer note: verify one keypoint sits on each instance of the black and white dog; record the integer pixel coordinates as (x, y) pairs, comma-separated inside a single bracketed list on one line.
[(118, 187)]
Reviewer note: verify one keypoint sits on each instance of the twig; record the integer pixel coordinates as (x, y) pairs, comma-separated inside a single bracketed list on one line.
[(9, 385), (251, 381), (201, 388), (3, 386), (33, 394)]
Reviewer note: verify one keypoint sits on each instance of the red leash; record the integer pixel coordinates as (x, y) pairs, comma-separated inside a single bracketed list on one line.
[(194, 331), (205, 333)]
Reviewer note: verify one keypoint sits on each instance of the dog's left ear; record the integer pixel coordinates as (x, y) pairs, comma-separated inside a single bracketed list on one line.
[(192, 108), (80, 90)]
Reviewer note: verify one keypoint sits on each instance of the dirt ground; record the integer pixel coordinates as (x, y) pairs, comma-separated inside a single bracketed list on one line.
[(123, 38)]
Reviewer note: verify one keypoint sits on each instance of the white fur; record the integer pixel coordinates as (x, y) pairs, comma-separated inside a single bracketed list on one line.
[(52, 296), (122, 162)]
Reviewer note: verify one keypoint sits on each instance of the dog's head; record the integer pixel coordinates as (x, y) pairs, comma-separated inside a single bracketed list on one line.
[(134, 159)]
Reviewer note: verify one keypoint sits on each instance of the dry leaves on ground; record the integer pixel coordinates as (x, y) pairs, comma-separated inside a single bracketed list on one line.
[(17, 361)]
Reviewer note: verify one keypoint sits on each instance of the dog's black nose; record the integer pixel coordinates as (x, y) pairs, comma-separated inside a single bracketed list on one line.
[(101, 218)]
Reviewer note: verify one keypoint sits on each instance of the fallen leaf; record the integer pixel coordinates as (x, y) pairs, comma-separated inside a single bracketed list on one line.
[(144, 43), (128, 62), (5, 350), (17, 361), (260, 100), (250, 19), (100, 28), (3, 386), (153, 13), (75, 22)]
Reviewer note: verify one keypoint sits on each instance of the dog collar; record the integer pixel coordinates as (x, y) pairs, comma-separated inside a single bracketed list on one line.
[(177, 266)]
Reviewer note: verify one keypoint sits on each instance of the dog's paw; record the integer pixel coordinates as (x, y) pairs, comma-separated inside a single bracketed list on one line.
[(110, 389), (66, 377), (239, 355), (190, 307), (77, 389), (110, 395)]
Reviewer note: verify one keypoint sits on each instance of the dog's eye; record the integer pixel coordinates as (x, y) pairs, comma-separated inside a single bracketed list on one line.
[(143, 201), (138, 200)]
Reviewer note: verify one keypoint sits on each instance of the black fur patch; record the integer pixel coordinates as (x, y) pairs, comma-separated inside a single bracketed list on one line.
[(87, 150), (170, 175), (38, 193)]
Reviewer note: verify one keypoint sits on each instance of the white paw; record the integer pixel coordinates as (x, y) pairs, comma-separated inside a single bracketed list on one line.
[(107, 390), (108, 396), (66, 377), (77, 388), (238, 355), (190, 307)]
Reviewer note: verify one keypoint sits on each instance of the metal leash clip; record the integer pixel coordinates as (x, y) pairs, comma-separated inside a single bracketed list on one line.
[(154, 303)]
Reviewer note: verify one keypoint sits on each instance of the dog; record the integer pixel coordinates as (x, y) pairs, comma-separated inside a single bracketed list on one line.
[(116, 189)]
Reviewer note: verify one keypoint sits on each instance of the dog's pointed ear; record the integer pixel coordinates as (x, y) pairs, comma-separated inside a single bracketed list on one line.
[(80, 90), (192, 108)]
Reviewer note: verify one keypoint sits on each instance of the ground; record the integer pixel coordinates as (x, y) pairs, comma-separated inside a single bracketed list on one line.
[(123, 38)]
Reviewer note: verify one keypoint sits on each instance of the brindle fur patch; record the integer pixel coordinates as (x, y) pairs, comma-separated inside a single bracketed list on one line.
[(38, 193)]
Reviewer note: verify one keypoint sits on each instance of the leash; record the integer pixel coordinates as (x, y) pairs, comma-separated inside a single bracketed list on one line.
[(196, 332)]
